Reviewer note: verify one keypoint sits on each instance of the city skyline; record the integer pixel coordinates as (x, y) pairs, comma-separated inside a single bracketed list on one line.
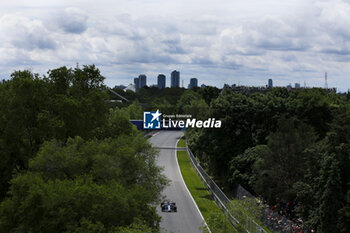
[(230, 42), (193, 82)]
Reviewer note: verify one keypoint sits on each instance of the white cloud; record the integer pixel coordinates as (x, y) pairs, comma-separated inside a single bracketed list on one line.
[(216, 42), (20, 32)]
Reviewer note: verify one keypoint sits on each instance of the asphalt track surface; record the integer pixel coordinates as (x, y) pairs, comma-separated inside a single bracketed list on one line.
[(187, 219)]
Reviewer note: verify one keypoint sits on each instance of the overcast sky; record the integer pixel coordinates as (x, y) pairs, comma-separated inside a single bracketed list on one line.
[(224, 41)]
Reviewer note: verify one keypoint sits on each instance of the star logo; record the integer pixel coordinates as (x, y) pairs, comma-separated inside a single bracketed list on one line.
[(156, 115), (151, 120)]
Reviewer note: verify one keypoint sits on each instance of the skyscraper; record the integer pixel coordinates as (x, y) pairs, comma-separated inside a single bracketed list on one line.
[(136, 83), (142, 80), (175, 78), (161, 81), (193, 83), (270, 85)]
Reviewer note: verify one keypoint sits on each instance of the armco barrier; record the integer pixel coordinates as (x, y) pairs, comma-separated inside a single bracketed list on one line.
[(235, 217)]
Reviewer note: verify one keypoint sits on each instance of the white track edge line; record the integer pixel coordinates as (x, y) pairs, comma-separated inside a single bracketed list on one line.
[(178, 166)]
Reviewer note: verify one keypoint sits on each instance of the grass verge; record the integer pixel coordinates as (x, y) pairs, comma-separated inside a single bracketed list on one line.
[(214, 217), (181, 143), (248, 207)]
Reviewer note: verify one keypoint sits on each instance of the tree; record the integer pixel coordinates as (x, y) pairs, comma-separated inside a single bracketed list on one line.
[(65, 104), (82, 107), (280, 169), (344, 215), (329, 195), (186, 99), (197, 109), (85, 184), (208, 93), (313, 106), (241, 166), (23, 104)]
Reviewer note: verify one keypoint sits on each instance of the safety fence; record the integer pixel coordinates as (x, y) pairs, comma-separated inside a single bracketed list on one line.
[(245, 205), (270, 218), (238, 217)]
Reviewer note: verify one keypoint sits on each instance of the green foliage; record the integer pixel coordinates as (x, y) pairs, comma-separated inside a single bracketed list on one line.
[(344, 215), (80, 185), (65, 104), (277, 171), (218, 223), (68, 164), (208, 93), (197, 109), (186, 99), (181, 143), (134, 111), (215, 219), (286, 146), (149, 94), (241, 166), (164, 106), (314, 107)]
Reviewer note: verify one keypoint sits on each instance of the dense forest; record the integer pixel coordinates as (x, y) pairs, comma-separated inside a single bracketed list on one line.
[(69, 162), (72, 162), (292, 148)]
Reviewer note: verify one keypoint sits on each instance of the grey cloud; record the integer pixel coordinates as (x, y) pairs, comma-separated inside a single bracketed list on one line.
[(337, 51), (73, 20), (173, 46), (202, 60), (264, 42), (25, 33), (31, 41), (303, 70), (279, 35), (282, 44)]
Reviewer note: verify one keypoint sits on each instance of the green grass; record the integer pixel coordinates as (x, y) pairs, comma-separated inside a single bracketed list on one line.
[(248, 207), (181, 143), (214, 217)]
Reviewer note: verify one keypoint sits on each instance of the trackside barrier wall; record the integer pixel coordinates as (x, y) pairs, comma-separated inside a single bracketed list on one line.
[(223, 201)]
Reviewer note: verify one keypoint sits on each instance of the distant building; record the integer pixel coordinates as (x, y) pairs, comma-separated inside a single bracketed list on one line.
[(297, 85), (161, 81), (203, 86), (136, 83), (289, 87), (175, 79), (142, 80), (226, 86), (130, 87), (119, 86), (270, 83), (193, 83)]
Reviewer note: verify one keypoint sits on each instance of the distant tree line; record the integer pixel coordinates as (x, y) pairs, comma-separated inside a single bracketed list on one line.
[(72, 162)]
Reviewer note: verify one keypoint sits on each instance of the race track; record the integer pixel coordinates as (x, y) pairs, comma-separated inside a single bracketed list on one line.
[(187, 219)]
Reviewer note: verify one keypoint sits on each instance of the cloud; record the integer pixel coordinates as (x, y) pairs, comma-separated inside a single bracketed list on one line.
[(72, 20), (229, 40), (24, 33)]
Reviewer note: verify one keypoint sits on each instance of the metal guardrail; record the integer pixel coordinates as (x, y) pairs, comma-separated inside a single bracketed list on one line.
[(223, 201)]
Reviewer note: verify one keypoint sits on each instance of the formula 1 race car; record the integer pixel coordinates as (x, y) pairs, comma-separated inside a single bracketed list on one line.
[(168, 206)]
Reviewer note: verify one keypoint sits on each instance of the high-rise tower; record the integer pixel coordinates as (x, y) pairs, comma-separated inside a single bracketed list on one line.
[(161, 81), (142, 80), (175, 79), (137, 83), (193, 83), (270, 83)]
